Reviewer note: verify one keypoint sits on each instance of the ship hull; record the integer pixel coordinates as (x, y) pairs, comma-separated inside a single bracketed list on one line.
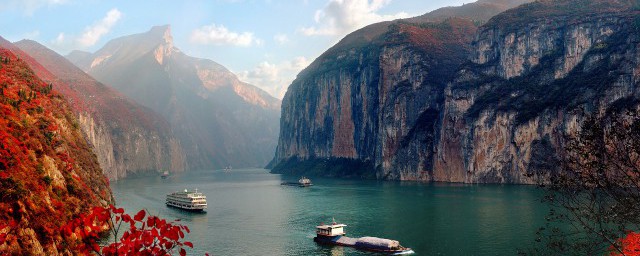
[(352, 242), (295, 184), (186, 209)]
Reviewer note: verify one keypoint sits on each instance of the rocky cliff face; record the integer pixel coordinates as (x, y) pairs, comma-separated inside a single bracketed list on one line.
[(127, 138), (361, 103), (529, 77), (530, 83), (218, 120), (48, 172)]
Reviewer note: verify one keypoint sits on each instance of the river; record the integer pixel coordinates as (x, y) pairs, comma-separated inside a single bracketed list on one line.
[(250, 213)]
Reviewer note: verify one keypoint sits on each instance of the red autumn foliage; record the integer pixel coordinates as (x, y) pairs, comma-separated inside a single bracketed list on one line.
[(441, 40), (49, 176), (630, 245), (48, 173), (144, 235)]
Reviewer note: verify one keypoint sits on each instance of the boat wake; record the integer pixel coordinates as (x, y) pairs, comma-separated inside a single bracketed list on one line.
[(404, 252)]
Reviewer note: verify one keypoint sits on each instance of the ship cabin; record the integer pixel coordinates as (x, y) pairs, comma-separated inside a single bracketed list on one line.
[(334, 229)]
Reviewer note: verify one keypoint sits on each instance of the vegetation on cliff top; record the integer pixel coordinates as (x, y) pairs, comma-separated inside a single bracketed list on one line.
[(443, 40), (513, 19)]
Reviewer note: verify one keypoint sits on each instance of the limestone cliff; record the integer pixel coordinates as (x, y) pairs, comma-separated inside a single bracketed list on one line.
[(361, 102), (534, 73), (490, 106), (126, 137), (374, 99)]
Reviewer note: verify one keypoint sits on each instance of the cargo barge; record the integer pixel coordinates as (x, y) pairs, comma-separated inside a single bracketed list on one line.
[(334, 234), (302, 182)]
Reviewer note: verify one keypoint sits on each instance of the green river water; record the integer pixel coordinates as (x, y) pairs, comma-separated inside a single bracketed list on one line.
[(250, 213)]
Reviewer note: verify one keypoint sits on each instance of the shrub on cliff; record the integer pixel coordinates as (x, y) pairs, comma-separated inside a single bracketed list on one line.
[(596, 201), (629, 245), (48, 172)]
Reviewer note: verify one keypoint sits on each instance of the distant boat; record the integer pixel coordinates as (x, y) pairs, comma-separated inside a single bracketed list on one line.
[(334, 234), (227, 169), (187, 200), (165, 174), (304, 182)]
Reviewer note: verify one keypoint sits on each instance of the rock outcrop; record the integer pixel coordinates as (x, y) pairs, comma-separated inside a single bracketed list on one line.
[(534, 75), (491, 106), (127, 138), (219, 120), (360, 102)]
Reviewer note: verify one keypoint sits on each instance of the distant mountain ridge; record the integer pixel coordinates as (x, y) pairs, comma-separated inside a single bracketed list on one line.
[(219, 120), (127, 137)]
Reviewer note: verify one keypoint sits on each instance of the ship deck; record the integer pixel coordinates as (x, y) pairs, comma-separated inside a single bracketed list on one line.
[(347, 241)]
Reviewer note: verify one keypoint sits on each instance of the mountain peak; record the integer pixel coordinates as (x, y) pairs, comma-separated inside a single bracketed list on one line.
[(163, 32), (166, 46)]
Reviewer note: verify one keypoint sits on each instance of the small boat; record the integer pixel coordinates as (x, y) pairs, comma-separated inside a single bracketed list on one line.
[(304, 182), (188, 200), (165, 174), (227, 169), (334, 235)]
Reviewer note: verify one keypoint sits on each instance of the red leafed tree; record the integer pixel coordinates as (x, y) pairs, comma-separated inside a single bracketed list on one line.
[(143, 235), (595, 200), (629, 245)]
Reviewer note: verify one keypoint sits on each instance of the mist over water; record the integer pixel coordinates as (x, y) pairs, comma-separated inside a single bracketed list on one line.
[(250, 213)]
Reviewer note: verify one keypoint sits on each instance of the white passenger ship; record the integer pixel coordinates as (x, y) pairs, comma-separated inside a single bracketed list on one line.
[(188, 200)]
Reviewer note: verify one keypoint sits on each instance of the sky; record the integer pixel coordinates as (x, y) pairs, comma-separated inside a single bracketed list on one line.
[(264, 42)]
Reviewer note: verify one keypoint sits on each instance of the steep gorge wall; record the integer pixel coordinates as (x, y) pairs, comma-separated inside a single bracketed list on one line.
[(529, 85), (361, 103), (410, 108), (134, 150)]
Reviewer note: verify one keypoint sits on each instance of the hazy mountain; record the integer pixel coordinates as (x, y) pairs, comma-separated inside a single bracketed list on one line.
[(127, 137), (220, 120)]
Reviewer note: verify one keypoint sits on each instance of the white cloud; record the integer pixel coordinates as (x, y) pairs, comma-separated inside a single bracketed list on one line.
[(59, 39), (281, 38), (29, 6), (220, 35), (340, 17), (274, 78), (91, 35)]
